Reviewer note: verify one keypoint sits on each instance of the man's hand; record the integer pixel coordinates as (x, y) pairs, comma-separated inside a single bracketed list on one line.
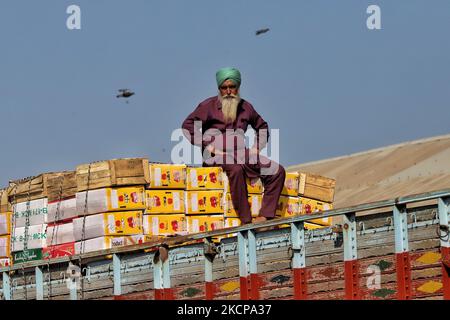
[(254, 151), (214, 151)]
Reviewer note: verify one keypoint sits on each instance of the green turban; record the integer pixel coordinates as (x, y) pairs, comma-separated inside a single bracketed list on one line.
[(228, 74)]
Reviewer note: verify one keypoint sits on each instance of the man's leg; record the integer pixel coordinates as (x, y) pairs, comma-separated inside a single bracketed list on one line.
[(272, 176), (238, 189), (273, 185)]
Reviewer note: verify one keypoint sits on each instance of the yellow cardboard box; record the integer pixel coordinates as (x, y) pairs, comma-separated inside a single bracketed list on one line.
[(204, 223), (5, 223), (288, 207), (5, 262), (311, 206), (232, 222), (291, 184), (131, 198), (165, 201), (167, 176), (108, 224), (165, 225), (111, 199), (255, 201), (125, 223), (204, 202), (229, 223), (204, 178), (254, 186)]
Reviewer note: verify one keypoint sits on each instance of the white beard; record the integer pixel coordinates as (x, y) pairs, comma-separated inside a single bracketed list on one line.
[(229, 106)]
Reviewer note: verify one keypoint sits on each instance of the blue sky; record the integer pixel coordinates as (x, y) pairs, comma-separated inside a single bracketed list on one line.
[(329, 84)]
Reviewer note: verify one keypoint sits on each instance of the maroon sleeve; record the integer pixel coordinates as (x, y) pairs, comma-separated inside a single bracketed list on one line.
[(262, 129), (192, 131)]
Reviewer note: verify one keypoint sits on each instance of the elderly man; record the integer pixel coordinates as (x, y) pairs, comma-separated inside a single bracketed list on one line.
[(223, 120)]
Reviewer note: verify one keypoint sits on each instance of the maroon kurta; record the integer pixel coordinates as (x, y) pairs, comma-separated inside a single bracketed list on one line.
[(210, 115)]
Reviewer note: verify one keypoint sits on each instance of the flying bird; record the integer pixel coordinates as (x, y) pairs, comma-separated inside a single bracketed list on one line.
[(124, 93), (261, 31)]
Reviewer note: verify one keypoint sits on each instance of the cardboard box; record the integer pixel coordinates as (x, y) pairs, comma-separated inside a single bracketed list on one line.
[(205, 202), (27, 255), (5, 205), (204, 178), (36, 210), (108, 224), (291, 183), (311, 206), (5, 223), (204, 223), (37, 237), (31, 188), (254, 186), (109, 242), (5, 247), (5, 262), (229, 223), (165, 201), (58, 251), (232, 222), (113, 173), (63, 186), (167, 176), (165, 225), (62, 210), (60, 234), (111, 199), (317, 187), (288, 206), (255, 201)]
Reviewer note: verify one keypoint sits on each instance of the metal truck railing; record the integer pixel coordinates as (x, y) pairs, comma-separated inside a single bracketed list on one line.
[(247, 253)]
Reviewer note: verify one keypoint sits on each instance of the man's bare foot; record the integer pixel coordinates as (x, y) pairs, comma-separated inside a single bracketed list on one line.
[(259, 219), (262, 219)]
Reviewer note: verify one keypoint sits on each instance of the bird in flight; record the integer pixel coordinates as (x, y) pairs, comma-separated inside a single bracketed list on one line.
[(124, 93), (261, 31)]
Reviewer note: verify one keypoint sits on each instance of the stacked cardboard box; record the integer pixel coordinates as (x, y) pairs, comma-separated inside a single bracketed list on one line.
[(29, 200), (107, 212), (205, 200), (110, 203), (165, 212), (5, 228), (307, 194), (130, 201), (61, 212), (5, 238), (255, 193)]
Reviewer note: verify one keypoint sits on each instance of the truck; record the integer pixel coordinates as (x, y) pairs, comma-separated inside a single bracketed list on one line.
[(395, 246)]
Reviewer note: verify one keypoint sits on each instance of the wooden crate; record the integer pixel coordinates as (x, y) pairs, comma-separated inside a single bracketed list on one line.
[(316, 187), (116, 172), (62, 186), (32, 188)]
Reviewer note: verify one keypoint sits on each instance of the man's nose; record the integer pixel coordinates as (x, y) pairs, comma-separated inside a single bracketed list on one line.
[(228, 91)]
